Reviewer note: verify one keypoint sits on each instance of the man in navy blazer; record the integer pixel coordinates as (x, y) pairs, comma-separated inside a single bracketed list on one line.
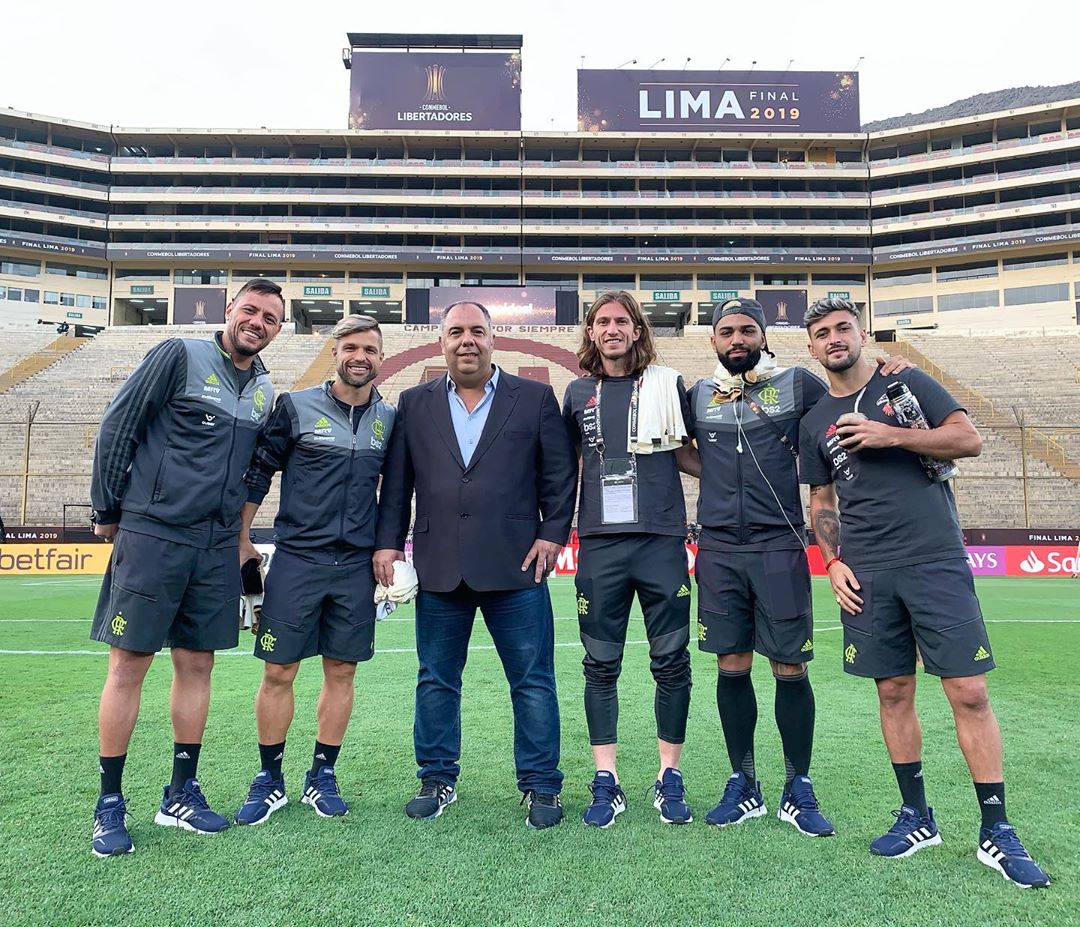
[(494, 475)]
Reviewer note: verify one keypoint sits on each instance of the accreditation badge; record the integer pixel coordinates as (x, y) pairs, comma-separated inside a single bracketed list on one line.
[(618, 492)]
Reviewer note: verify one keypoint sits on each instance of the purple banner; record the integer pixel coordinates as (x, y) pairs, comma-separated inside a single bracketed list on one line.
[(801, 102), (783, 308), (986, 561), (508, 305), (435, 90)]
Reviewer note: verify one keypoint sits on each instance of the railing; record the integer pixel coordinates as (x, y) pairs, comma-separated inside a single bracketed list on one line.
[(119, 163), (513, 220), (988, 208), (314, 193), (981, 180), (55, 181), (54, 150), (1049, 138), (55, 210), (38, 489)]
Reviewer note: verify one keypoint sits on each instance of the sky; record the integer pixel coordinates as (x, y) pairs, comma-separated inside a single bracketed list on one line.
[(244, 64)]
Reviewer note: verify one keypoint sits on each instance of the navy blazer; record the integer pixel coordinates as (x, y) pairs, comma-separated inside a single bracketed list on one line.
[(476, 523)]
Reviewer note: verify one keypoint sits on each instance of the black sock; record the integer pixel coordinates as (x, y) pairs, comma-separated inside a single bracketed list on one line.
[(794, 708), (991, 802), (112, 771), (270, 757), (912, 791), (738, 715), (325, 755), (184, 765)]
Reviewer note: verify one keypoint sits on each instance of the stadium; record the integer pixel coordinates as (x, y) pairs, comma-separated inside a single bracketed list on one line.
[(956, 232)]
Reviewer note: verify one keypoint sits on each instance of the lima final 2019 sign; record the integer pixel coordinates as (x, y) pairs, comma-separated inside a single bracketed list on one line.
[(804, 102), (435, 90)]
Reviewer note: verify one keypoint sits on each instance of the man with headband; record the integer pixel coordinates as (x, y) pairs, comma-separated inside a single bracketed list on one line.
[(752, 572)]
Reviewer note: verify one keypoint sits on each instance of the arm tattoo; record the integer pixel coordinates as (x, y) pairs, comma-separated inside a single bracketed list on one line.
[(827, 532)]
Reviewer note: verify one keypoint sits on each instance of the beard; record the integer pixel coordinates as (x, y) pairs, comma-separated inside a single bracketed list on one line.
[(843, 362), (241, 348), (740, 364), (353, 380)]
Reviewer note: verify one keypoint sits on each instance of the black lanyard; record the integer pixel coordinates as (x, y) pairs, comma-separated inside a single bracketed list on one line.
[(633, 424)]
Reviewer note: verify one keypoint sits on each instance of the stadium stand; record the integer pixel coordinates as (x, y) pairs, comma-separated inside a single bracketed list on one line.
[(1033, 373)]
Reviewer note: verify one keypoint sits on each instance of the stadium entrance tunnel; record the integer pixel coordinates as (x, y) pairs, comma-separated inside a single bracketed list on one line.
[(310, 314), (147, 311)]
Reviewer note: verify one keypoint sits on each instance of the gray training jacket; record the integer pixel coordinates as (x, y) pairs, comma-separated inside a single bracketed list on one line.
[(330, 464), (174, 444)]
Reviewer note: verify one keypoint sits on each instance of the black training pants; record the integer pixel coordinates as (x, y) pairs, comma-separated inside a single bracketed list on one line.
[(611, 568)]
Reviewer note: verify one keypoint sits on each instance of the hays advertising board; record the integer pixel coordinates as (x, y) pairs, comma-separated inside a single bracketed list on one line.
[(440, 91), (799, 102)]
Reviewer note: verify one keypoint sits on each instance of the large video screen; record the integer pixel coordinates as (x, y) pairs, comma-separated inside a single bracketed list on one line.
[(508, 305)]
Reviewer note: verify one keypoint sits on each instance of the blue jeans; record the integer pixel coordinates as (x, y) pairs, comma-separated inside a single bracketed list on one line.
[(520, 623)]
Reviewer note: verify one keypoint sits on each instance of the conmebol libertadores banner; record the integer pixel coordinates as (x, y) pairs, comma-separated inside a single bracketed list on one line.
[(435, 90)]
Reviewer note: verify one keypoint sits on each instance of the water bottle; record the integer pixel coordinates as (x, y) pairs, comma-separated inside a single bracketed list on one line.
[(909, 414)]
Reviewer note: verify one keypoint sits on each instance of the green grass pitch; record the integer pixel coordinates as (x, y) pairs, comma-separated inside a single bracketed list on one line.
[(478, 864)]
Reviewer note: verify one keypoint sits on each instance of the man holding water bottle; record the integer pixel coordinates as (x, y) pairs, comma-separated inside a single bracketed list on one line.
[(885, 447)]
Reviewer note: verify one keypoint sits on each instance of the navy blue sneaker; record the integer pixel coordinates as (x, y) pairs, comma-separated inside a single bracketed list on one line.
[(669, 798), (321, 792), (265, 796), (111, 837), (741, 801), (908, 835), (431, 800), (608, 800), (799, 808), (1001, 849), (545, 809), (189, 810)]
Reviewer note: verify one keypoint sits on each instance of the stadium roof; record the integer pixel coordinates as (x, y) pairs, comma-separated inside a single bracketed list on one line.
[(432, 40)]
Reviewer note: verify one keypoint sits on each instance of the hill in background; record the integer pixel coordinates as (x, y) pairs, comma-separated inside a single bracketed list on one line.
[(993, 102)]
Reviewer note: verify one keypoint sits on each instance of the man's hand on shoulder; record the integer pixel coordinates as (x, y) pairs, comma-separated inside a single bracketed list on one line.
[(890, 366), (546, 554)]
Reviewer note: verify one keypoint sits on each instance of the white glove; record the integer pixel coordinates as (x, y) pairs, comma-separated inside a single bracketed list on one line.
[(403, 590)]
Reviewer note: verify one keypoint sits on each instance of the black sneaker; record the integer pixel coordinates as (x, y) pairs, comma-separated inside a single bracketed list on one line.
[(545, 809), (433, 797)]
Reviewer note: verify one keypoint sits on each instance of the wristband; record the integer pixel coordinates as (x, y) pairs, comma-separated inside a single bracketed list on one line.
[(831, 562)]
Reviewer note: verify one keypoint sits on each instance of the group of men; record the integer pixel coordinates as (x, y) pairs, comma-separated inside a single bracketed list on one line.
[(487, 473)]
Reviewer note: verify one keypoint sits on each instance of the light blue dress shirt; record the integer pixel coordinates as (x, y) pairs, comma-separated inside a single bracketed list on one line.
[(468, 426)]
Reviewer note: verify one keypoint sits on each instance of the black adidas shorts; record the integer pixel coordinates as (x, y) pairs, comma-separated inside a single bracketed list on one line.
[(755, 600), (929, 604), (317, 608), (159, 593)]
